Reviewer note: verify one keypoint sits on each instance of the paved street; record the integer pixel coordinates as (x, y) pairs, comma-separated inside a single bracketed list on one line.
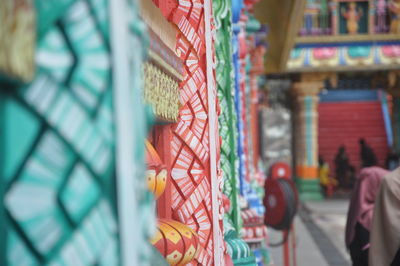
[(319, 235), (330, 216)]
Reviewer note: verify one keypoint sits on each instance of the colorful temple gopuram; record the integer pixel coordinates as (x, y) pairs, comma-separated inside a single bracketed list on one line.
[(141, 132), (341, 58)]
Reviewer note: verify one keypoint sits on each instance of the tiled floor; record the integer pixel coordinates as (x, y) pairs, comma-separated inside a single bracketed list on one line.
[(319, 235), (307, 252), (330, 216)]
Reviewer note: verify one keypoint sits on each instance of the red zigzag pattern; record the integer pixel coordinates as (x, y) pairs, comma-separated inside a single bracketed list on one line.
[(191, 190)]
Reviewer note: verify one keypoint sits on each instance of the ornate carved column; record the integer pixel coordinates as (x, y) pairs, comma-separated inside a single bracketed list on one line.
[(306, 138), (334, 22)]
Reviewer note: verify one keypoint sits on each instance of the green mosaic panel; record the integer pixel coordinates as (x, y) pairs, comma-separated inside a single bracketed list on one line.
[(58, 144), (20, 132), (48, 12), (80, 193)]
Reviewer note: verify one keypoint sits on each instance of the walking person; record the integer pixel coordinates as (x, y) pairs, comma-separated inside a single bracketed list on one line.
[(385, 230), (392, 160), (367, 154), (342, 167), (359, 217)]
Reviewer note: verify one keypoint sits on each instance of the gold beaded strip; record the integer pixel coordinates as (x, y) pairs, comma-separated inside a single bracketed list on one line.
[(17, 39), (161, 91), (164, 65)]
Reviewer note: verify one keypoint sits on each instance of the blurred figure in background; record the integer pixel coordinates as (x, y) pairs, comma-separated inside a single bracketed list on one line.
[(392, 160), (327, 183), (367, 154), (385, 230), (343, 169), (359, 216), (351, 177)]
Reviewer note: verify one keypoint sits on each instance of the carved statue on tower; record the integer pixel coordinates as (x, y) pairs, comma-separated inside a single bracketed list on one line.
[(394, 8), (352, 15), (381, 11)]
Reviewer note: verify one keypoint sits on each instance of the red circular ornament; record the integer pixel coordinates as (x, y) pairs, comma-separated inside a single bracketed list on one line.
[(274, 202), (280, 170), (156, 174), (177, 243)]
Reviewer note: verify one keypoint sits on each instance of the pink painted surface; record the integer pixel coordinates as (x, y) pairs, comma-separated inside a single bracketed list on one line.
[(391, 50), (345, 123), (324, 53)]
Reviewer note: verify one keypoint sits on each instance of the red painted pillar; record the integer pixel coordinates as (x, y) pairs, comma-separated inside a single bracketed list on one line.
[(286, 249)]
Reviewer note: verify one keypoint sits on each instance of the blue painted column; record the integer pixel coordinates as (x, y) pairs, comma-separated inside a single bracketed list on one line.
[(306, 139)]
